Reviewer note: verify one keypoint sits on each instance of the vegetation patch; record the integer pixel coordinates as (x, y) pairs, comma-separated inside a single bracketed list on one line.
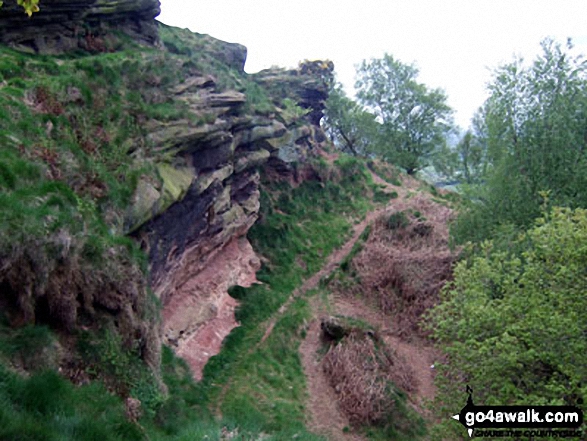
[(386, 171), (417, 263), (371, 384), (525, 303), (397, 220), (45, 406)]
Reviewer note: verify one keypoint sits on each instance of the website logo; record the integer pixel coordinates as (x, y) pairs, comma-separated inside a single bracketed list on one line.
[(515, 418)]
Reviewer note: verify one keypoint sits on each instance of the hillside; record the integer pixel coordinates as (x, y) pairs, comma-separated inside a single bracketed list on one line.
[(179, 241)]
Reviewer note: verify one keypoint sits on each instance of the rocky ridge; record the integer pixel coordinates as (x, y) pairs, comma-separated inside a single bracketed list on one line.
[(194, 226), (200, 130)]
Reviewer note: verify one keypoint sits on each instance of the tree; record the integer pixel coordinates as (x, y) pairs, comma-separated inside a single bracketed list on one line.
[(534, 133), (465, 162), (470, 158), (414, 119), (351, 128), (29, 6)]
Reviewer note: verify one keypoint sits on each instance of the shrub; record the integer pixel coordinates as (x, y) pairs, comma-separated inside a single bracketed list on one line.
[(366, 375), (510, 322), (397, 220)]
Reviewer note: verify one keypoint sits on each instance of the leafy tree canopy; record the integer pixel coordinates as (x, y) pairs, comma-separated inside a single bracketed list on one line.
[(532, 133), (414, 119), (351, 128)]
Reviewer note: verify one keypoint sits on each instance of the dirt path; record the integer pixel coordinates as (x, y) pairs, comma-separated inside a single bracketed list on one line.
[(332, 263), (324, 415)]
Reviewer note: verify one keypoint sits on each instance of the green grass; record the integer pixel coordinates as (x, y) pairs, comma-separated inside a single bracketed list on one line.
[(357, 247), (47, 407)]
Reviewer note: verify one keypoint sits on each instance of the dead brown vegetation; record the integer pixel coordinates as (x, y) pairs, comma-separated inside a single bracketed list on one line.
[(403, 265), (366, 375), (49, 283)]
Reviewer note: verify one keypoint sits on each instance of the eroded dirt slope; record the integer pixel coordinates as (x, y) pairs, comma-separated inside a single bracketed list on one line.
[(387, 299)]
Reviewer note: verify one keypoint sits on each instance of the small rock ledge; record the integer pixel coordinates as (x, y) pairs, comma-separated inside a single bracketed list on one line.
[(64, 25)]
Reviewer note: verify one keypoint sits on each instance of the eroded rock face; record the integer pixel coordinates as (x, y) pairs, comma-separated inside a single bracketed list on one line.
[(194, 224), (200, 313), (307, 85), (64, 25)]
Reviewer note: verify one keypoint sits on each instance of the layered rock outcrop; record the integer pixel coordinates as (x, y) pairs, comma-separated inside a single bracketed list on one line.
[(194, 223), (308, 85), (198, 130), (64, 25)]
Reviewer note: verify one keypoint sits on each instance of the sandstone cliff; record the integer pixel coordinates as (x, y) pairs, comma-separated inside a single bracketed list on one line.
[(161, 143), (197, 245)]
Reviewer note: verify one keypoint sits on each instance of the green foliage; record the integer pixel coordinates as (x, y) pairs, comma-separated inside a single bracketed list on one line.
[(414, 120), (513, 325), (397, 220), (352, 129), (532, 128)]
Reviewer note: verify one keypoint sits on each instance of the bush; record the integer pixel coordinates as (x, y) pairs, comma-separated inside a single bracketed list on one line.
[(372, 382), (397, 220), (510, 322)]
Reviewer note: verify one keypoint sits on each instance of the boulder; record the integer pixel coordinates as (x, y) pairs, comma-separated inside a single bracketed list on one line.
[(334, 329)]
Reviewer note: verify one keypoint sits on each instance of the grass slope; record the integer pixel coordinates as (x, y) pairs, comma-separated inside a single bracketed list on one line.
[(300, 227), (74, 145)]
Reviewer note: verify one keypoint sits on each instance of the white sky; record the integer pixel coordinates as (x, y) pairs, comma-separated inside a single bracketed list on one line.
[(454, 43)]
